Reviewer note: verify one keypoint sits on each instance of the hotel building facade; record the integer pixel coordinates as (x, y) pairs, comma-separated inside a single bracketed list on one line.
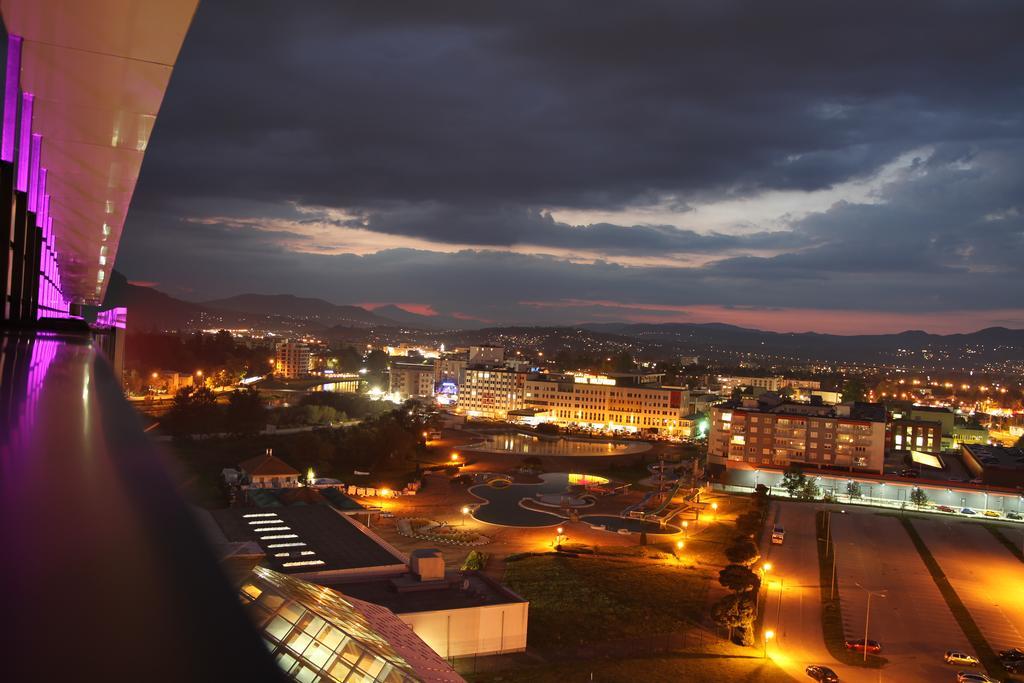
[(769, 431)]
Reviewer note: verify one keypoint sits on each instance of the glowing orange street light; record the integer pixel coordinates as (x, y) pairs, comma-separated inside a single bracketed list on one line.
[(455, 456), (768, 635), (465, 513)]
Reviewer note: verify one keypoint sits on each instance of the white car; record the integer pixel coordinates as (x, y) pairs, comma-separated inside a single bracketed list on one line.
[(958, 657), (778, 535), (971, 677)]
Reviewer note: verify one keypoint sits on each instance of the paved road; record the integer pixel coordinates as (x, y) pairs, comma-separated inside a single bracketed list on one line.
[(797, 624), (986, 576), (912, 622)]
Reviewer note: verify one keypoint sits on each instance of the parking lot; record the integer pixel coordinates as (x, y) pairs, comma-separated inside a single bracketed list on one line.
[(985, 575), (912, 622)]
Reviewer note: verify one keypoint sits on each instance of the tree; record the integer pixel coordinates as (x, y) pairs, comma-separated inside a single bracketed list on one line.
[(919, 498), (794, 480), (809, 490), (246, 413), (475, 561), (853, 489), (736, 612), (761, 491), (743, 552), (194, 411), (854, 389), (738, 578)]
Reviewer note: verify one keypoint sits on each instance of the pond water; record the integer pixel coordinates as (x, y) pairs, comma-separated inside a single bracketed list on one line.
[(502, 504), (528, 444)]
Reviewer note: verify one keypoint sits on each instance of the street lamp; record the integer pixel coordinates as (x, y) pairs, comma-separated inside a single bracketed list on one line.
[(455, 456), (465, 512), (867, 615), (768, 635), (686, 532)]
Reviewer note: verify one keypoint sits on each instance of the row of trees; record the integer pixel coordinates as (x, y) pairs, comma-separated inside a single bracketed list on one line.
[(798, 485), (738, 610), (196, 410)]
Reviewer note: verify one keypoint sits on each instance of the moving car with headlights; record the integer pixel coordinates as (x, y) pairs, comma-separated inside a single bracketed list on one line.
[(778, 535)]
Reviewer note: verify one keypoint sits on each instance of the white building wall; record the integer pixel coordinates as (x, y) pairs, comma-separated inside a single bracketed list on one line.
[(488, 629)]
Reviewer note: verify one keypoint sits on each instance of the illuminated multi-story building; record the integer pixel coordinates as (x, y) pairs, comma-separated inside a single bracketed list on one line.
[(487, 355), (291, 360), (774, 383), (492, 391), (770, 431), (628, 402), (411, 378)]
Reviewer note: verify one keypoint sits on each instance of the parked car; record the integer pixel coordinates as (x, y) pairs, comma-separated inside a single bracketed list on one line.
[(967, 511), (958, 657), (944, 508), (1013, 654), (1014, 666), (873, 646), (1014, 515), (910, 472), (973, 677), (991, 513), (778, 535), (821, 673)]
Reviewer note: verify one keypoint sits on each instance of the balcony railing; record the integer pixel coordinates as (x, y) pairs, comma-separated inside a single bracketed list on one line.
[(107, 573)]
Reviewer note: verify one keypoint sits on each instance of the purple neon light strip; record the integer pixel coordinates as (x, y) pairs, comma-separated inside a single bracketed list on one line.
[(11, 97), (44, 206), (24, 140), (33, 173)]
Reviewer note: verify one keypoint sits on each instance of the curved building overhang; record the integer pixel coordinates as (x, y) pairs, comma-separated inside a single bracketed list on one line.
[(97, 71)]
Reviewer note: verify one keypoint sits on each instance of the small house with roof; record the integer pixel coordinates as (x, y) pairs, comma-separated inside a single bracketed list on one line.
[(269, 472)]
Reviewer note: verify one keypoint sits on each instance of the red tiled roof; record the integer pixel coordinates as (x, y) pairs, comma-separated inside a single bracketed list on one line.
[(268, 466)]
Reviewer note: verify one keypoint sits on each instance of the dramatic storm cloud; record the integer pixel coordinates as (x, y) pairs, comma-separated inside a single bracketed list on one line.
[(758, 163)]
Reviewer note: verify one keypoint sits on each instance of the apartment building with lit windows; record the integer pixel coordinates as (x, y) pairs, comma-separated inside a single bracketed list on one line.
[(906, 434), (772, 432), (411, 378), (291, 360), (491, 392)]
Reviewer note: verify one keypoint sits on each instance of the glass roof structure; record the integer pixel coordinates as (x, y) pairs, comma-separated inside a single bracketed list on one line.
[(316, 634)]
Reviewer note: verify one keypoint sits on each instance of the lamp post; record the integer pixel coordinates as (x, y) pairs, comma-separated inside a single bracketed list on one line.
[(686, 527), (867, 615), (679, 549), (768, 635), (465, 513)]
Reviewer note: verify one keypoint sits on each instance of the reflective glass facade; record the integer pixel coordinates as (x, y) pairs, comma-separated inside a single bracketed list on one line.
[(317, 635)]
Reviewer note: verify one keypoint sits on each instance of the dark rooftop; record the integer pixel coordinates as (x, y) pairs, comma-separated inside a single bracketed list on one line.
[(314, 533), (997, 456), (407, 594)]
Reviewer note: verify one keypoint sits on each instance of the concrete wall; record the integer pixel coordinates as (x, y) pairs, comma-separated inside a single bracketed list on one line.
[(488, 629)]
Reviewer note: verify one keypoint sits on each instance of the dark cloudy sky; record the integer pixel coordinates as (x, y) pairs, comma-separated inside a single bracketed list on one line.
[(846, 167)]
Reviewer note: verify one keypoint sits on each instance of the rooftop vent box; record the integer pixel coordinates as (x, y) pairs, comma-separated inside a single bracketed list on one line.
[(427, 564)]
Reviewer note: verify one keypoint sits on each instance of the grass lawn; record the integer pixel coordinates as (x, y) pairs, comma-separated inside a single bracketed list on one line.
[(684, 667), (581, 600)]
